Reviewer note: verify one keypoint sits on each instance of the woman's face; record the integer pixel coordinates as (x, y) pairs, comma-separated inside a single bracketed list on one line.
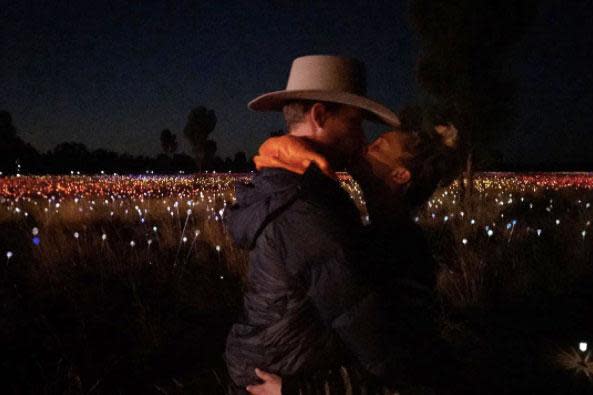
[(385, 154)]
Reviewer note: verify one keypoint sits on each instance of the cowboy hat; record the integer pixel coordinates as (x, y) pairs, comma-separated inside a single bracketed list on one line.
[(328, 78)]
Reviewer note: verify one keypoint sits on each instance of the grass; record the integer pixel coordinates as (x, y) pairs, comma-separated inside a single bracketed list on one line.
[(113, 299)]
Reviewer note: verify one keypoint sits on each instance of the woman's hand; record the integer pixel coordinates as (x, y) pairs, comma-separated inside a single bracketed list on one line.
[(272, 384)]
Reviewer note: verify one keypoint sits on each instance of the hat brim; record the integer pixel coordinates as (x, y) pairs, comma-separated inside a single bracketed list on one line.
[(274, 101)]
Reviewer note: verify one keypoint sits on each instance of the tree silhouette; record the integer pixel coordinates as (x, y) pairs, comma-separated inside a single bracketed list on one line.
[(7, 129), (240, 162), (200, 123), (210, 148), (15, 154), (168, 142), (464, 64)]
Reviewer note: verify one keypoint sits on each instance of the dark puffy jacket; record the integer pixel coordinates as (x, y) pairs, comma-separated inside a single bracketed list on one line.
[(304, 298)]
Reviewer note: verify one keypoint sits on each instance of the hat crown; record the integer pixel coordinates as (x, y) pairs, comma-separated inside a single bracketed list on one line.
[(327, 73)]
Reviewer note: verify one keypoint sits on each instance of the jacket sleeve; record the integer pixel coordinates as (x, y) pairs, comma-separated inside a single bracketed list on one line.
[(334, 272), (324, 266)]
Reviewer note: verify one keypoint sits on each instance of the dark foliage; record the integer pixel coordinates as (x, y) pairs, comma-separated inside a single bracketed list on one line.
[(464, 62), (19, 157)]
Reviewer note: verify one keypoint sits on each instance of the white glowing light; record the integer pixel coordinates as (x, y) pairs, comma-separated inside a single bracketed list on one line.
[(490, 232), (473, 221), (9, 254), (35, 231), (464, 241), (154, 228), (539, 232), (217, 248), (184, 239), (132, 243), (76, 235), (557, 222), (103, 237), (583, 346)]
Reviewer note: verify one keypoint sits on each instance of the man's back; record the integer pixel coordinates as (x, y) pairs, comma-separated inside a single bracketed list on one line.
[(299, 230)]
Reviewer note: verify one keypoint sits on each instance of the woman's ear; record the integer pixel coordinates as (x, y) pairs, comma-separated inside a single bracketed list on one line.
[(400, 175)]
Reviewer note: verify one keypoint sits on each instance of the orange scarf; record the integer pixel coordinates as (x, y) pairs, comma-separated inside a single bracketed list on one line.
[(291, 153)]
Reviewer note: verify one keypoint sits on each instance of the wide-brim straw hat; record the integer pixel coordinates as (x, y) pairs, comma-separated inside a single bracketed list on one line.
[(327, 78)]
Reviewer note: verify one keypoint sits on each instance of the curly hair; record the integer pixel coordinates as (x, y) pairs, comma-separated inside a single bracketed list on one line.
[(433, 157)]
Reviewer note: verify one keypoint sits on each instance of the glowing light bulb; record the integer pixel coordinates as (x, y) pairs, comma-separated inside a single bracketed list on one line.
[(583, 346)]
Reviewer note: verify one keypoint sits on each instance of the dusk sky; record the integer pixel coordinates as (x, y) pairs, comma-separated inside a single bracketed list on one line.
[(113, 75)]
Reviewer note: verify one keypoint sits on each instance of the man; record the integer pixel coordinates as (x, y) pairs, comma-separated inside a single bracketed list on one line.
[(305, 309)]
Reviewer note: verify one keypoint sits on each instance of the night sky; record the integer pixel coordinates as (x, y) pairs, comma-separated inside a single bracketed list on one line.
[(113, 75)]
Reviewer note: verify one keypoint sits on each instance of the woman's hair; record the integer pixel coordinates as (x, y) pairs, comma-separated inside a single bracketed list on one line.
[(433, 157)]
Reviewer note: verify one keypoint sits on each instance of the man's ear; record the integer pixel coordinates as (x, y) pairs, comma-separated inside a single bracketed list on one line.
[(400, 175), (318, 115)]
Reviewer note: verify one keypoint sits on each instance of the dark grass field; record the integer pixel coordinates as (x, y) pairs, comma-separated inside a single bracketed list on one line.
[(110, 285)]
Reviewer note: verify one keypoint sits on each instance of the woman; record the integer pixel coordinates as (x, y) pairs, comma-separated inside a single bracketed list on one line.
[(398, 173)]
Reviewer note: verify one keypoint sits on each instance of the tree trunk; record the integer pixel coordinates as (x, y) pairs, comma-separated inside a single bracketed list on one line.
[(469, 179)]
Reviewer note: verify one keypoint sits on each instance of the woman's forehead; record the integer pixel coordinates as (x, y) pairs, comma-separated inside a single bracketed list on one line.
[(392, 137)]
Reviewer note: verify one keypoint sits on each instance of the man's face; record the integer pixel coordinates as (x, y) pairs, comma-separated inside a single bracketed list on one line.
[(343, 132)]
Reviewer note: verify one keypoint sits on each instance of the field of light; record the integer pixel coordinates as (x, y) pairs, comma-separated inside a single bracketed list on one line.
[(151, 249)]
